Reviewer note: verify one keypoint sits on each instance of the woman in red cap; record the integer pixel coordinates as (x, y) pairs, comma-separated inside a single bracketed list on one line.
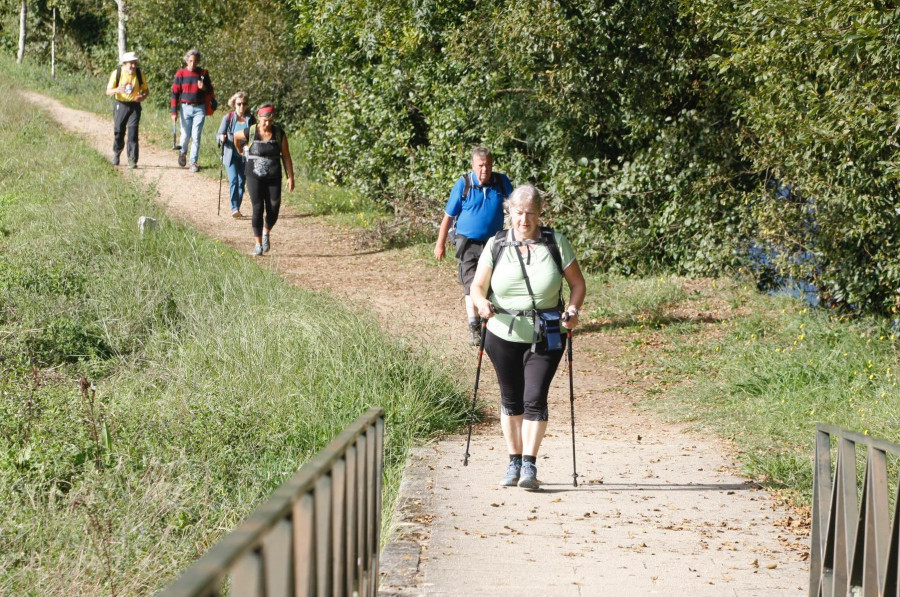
[(265, 146)]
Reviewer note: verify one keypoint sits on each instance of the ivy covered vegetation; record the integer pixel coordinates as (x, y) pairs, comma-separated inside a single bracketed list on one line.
[(689, 136)]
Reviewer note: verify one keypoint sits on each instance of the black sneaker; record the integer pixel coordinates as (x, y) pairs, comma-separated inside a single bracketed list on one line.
[(182, 159), (475, 331), (132, 164), (115, 160)]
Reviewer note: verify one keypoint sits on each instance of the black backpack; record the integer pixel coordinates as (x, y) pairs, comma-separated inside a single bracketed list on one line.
[(501, 242), (137, 71)]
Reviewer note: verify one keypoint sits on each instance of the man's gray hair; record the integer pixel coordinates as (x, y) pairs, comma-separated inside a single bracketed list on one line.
[(482, 152), (525, 193), (192, 52)]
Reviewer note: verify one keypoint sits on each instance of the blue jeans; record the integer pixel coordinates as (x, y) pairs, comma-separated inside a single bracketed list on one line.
[(236, 179), (192, 119)]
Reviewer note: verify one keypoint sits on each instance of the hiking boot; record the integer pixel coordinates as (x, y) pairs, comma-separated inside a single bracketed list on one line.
[(132, 164), (235, 213), (182, 159), (115, 160), (475, 331), (257, 250), (528, 477), (265, 243), (512, 474), (194, 167)]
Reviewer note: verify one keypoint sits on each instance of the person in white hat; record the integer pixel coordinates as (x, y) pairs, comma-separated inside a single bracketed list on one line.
[(128, 88)]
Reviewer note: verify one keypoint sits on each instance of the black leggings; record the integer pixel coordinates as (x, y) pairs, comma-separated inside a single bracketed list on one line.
[(524, 376), (265, 195)]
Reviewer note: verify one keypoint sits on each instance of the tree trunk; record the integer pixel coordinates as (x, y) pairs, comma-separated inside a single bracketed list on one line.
[(123, 33), (22, 13), (53, 48)]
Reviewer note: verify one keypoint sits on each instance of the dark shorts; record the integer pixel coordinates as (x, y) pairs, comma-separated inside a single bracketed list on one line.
[(524, 376), (467, 253)]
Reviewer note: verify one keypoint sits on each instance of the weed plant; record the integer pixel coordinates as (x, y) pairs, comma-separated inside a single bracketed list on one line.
[(154, 390)]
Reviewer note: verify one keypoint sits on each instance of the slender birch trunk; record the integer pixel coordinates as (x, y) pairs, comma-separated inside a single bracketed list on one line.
[(53, 47), (123, 33), (22, 14)]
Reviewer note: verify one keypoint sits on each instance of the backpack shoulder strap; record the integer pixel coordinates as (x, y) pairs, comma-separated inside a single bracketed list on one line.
[(467, 188), (140, 77), (548, 238), (500, 243), (118, 75)]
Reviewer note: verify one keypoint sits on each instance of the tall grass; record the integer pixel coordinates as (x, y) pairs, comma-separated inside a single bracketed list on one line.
[(213, 380)]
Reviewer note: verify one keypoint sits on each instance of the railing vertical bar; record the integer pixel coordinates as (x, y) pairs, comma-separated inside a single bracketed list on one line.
[(277, 560), (323, 537), (304, 516), (351, 580), (371, 547), (378, 458), (821, 497), (892, 574), (247, 576), (847, 513), (338, 527), (877, 523), (362, 522)]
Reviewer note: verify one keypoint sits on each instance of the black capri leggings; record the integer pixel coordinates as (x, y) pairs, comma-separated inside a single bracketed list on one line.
[(265, 195), (524, 376)]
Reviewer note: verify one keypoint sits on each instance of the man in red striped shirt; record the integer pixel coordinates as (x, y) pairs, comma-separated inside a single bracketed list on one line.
[(190, 89)]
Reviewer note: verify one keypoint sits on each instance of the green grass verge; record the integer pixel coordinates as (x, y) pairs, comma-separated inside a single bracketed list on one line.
[(214, 378), (757, 370)]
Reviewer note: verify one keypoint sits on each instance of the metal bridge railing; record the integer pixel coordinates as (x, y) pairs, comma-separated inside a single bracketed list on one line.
[(854, 543), (318, 534)]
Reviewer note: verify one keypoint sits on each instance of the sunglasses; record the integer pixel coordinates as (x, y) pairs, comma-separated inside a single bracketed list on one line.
[(240, 103)]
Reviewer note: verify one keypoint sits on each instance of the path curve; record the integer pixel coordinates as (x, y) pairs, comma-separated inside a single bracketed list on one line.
[(658, 510)]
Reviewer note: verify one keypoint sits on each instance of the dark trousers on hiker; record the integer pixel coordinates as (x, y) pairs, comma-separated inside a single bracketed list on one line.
[(126, 115), (265, 196), (524, 376)]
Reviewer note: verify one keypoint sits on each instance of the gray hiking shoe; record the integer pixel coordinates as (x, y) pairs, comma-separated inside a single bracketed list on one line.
[(475, 331), (194, 167), (257, 250), (528, 477), (265, 243), (115, 160), (182, 159), (512, 474)]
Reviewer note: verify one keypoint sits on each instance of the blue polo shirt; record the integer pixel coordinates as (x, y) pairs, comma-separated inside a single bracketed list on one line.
[(480, 215)]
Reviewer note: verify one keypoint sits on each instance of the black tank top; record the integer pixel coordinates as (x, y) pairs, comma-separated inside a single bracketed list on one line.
[(264, 157)]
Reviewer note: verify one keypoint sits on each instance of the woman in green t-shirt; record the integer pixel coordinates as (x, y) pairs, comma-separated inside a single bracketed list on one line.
[(525, 285)]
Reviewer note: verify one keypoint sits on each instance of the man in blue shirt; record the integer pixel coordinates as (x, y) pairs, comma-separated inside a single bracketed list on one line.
[(476, 208)]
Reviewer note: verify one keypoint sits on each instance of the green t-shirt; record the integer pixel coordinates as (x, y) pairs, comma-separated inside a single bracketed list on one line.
[(510, 292)]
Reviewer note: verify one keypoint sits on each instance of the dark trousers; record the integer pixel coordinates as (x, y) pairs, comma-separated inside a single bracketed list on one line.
[(524, 376), (126, 114), (265, 196)]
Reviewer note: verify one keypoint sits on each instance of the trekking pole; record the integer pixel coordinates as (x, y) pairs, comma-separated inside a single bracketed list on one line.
[(174, 136), (221, 161), (475, 393), (572, 406)]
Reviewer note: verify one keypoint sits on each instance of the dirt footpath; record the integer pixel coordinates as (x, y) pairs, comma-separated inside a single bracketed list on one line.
[(657, 510)]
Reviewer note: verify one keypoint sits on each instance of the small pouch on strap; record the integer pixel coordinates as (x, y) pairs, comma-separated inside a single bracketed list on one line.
[(550, 329)]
